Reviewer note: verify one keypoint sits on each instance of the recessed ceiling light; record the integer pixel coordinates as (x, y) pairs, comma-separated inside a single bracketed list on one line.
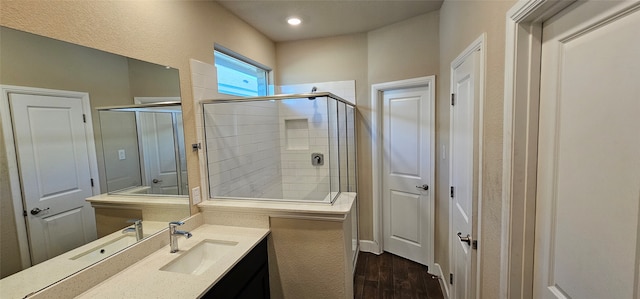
[(294, 21)]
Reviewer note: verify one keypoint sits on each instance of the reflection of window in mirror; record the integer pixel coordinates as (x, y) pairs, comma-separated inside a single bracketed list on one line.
[(240, 76)]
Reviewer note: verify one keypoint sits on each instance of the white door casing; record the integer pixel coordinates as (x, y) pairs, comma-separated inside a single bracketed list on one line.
[(377, 91), (521, 100), (465, 168), (588, 185), (406, 173), (56, 157)]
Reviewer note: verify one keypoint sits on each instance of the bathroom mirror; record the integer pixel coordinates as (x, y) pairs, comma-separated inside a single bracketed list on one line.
[(43, 244), (143, 147)]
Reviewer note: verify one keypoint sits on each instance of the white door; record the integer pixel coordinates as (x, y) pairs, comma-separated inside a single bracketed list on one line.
[(463, 157), (407, 181), (54, 171), (588, 192), (159, 151)]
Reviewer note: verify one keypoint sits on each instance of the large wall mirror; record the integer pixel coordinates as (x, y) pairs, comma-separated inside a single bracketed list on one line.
[(65, 150)]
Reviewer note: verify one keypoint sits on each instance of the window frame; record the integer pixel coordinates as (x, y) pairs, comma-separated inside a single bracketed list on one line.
[(242, 62)]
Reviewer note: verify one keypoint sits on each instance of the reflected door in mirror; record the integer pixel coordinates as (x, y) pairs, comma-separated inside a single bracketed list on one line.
[(159, 151), (54, 167)]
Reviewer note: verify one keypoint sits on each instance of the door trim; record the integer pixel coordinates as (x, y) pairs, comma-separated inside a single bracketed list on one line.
[(376, 155), (12, 160), (476, 224), (520, 133)]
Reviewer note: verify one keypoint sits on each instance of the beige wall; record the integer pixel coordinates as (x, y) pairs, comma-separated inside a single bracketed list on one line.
[(169, 33), (162, 32), (308, 257), (424, 45), (152, 80), (368, 58), (461, 22), (404, 50), (35, 61)]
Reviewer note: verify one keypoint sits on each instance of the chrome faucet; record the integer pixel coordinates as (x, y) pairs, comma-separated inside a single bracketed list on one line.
[(174, 233), (137, 228)]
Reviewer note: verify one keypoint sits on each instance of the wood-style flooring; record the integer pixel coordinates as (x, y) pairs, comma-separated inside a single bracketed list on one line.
[(390, 276)]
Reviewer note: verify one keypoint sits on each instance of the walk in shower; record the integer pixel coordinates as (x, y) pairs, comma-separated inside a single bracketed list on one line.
[(287, 147)]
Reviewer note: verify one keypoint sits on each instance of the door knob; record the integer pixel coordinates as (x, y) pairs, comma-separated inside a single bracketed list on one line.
[(155, 181), (423, 187), (36, 211), (466, 239)]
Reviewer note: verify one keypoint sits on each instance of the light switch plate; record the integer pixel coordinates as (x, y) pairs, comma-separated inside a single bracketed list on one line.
[(121, 154), (195, 194)]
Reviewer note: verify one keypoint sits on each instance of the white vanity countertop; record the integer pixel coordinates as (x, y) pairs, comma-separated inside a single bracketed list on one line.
[(139, 200), (144, 279), (43, 274)]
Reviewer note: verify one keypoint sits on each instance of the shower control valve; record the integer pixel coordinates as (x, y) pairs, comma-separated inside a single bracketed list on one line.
[(317, 159)]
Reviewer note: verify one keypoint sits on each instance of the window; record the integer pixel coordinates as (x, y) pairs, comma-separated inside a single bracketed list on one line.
[(239, 76)]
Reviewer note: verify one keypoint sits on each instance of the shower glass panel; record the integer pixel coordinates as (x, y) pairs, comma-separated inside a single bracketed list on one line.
[(351, 149), (285, 147), (334, 149), (342, 146)]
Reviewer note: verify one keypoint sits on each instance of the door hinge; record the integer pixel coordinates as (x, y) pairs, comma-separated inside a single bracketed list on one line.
[(451, 192), (24, 213), (453, 99), (474, 244), (450, 278), (84, 118), (91, 182)]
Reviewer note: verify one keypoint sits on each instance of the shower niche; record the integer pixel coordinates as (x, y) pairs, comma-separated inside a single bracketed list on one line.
[(287, 147)]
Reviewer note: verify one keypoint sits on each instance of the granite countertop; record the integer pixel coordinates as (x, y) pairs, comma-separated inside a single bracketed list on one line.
[(52, 270), (144, 279)]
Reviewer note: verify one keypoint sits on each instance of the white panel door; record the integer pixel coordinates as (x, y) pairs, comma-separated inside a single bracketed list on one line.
[(406, 169), (159, 152), (588, 194), (54, 171), (461, 172)]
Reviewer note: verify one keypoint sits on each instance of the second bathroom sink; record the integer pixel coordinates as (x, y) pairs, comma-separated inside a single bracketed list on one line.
[(201, 257), (105, 249)]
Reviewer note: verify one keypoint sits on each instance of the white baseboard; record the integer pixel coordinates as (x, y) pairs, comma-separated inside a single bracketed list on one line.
[(370, 246), (444, 281)]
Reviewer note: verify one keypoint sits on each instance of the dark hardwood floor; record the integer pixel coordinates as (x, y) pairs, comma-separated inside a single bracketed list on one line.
[(390, 276)]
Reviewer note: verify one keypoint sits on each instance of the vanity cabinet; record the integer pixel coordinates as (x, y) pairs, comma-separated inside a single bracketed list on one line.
[(249, 279)]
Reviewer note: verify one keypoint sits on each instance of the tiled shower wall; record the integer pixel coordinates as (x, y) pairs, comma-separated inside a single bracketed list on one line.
[(263, 149), (300, 179), (243, 149)]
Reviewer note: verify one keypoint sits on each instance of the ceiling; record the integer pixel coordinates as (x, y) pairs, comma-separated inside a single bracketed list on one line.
[(325, 18)]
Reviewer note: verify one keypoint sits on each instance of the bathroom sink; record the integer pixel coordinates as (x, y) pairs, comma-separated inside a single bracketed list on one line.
[(201, 257), (105, 249)]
